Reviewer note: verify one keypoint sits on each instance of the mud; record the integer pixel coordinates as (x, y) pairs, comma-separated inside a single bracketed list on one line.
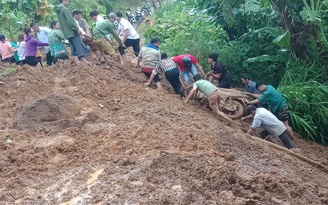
[(93, 134)]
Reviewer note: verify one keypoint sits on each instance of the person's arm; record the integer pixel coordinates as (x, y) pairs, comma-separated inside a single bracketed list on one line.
[(39, 43), (126, 34), (192, 92), (249, 131), (117, 38), (152, 76), (253, 102), (200, 69), (247, 117), (218, 75)]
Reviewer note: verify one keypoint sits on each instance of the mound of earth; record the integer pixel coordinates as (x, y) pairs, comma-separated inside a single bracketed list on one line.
[(94, 134), (49, 111)]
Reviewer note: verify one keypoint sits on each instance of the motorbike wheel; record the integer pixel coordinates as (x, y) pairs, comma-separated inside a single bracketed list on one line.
[(233, 108)]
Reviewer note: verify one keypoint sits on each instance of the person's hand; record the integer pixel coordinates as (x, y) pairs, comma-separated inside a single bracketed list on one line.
[(113, 42), (242, 119), (147, 84), (246, 101), (79, 32), (185, 101), (123, 45)]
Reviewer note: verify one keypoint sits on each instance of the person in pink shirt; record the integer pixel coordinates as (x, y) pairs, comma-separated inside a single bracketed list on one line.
[(6, 50)]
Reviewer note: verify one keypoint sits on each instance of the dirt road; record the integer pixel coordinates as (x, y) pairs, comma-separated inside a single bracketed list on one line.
[(93, 134)]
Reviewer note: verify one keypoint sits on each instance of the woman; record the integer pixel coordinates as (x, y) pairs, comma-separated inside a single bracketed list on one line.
[(6, 50), (56, 36), (21, 48), (31, 47)]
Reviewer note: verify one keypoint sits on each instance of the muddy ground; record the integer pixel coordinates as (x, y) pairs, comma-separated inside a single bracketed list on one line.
[(93, 134)]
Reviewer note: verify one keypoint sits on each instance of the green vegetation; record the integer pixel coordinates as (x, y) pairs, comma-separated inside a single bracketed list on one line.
[(279, 42), (8, 71), (17, 14)]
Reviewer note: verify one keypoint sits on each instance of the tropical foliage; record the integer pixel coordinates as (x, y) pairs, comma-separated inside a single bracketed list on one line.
[(281, 43)]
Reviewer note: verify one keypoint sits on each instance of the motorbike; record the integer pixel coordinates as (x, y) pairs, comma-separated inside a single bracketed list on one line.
[(232, 101), (136, 18)]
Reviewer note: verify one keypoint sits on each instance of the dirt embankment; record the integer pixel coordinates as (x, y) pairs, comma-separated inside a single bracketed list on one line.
[(93, 134)]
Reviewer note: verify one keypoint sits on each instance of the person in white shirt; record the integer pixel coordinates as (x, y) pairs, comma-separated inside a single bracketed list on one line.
[(98, 18), (130, 36), (21, 48), (43, 36), (270, 123)]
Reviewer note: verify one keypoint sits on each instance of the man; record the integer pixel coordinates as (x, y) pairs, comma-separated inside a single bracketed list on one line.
[(171, 72), (211, 92), (218, 71), (43, 36), (277, 103), (77, 14), (71, 31), (150, 55), (250, 86), (96, 17), (188, 64), (100, 32), (271, 125), (128, 14), (130, 36)]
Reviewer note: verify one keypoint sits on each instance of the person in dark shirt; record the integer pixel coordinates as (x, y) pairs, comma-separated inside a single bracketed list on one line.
[(218, 71)]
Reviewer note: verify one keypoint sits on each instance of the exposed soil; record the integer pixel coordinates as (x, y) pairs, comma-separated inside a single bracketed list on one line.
[(93, 134)]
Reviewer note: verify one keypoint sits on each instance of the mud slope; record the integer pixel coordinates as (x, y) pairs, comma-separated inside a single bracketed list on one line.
[(93, 134)]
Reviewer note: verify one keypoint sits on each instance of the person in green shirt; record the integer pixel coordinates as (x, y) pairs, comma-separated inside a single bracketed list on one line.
[(277, 104), (56, 36), (100, 32), (71, 32), (211, 92)]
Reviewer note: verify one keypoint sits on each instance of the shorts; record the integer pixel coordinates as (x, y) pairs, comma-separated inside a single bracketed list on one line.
[(104, 46), (282, 114)]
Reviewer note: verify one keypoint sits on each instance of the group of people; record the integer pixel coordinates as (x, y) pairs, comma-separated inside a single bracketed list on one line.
[(181, 71), (72, 28)]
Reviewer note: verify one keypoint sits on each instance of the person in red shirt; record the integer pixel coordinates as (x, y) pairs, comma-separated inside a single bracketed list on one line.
[(188, 64)]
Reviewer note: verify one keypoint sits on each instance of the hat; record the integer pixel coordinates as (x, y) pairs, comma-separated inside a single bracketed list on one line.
[(112, 15), (187, 62), (250, 108)]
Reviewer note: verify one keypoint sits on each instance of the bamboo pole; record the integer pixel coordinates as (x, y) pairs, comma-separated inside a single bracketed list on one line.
[(305, 159)]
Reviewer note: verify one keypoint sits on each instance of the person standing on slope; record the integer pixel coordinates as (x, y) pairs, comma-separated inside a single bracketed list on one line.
[(71, 31), (130, 36), (43, 36)]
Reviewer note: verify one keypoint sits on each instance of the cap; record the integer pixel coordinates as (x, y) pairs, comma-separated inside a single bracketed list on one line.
[(2, 37), (112, 15), (187, 62)]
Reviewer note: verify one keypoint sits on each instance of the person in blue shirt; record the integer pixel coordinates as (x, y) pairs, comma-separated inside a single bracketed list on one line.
[(250, 86)]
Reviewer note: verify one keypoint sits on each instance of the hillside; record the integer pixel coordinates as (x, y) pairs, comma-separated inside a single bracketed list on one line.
[(93, 134)]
